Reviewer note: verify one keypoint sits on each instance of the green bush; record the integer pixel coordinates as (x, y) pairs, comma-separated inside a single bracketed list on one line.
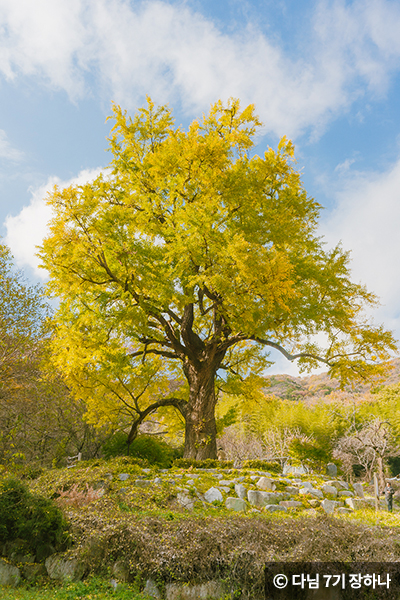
[(312, 454), (28, 517), (208, 463), (146, 447), (263, 465)]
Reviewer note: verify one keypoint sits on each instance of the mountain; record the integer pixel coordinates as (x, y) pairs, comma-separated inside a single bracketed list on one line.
[(317, 387)]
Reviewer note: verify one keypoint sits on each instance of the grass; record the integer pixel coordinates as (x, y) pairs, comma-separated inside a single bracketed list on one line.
[(92, 588)]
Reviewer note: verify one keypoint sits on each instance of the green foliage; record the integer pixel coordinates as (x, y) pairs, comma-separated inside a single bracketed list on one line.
[(29, 517), (149, 448), (310, 453), (208, 463), (92, 588), (262, 465)]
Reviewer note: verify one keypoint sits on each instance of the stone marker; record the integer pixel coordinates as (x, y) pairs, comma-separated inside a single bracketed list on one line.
[(261, 499), (330, 489), (212, 495), (266, 484), (235, 504), (328, 505), (64, 569), (151, 589), (143, 482), (241, 491), (312, 491), (358, 490), (291, 489), (185, 501), (290, 503), (275, 508), (212, 590), (9, 575), (307, 484), (356, 503), (331, 470)]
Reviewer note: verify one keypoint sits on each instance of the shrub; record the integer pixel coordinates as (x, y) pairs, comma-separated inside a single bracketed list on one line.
[(208, 463), (155, 451), (264, 465), (29, 517)]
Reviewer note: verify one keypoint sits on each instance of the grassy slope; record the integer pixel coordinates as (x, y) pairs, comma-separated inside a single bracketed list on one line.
[(152, 534)]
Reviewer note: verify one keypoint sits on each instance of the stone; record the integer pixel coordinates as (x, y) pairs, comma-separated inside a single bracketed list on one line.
[(31, 572), (266, 484), (123, 476), (190, 481), (151, 590), (219, 476), (212, 590), (235, 504), (356, 503), (330, 489), (146, 470), (288, 469), (9, 575), (158, 480), (64, 569), (254, 477), (344, 485), (358, 490), (120, 571), (212, 495), (185, 501), (343, 511), (225, 482), (101, 486), (224, 488), (315, 503), (311, 491), (346, 494), (261, 499), (290, 503), (307, 484), (275, 508), (328, 505), (142, 482), (291, 489), (331, 470), (241, 491)]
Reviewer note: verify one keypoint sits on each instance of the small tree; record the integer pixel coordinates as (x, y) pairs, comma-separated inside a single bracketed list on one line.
[(369, 447), (189, 258)]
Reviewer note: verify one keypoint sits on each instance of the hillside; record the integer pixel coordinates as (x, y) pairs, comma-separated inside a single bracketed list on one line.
[(176, 532), (317, 387)]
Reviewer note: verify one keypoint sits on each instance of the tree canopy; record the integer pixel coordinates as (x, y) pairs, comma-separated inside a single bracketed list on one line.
[(190, 257)]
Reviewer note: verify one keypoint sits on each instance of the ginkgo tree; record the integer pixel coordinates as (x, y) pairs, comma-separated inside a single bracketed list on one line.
[(188, 259)]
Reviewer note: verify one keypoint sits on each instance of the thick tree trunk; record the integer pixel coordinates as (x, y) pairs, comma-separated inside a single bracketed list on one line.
[(200, 431)]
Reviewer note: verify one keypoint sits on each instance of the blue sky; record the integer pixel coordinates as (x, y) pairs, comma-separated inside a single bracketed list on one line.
[(324, 73)]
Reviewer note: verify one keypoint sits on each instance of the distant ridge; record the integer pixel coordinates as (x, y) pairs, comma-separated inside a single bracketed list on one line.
[(317, 387)]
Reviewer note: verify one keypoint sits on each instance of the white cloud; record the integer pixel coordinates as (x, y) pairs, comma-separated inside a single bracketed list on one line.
[(132, 48), (26, 230), (366, 220), (6, 149)]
